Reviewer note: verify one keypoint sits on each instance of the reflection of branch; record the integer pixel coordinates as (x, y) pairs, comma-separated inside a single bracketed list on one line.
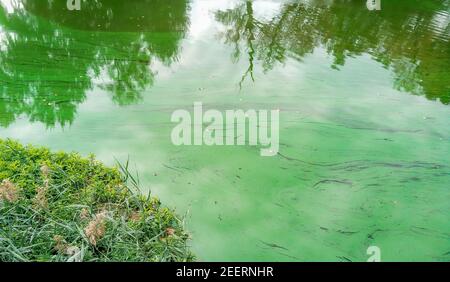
[(250, 67), (250, 28)]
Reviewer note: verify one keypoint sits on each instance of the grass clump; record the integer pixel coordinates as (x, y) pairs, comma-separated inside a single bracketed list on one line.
[(62, 207)]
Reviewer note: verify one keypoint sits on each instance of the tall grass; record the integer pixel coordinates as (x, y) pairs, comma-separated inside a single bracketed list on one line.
[(62, 207)]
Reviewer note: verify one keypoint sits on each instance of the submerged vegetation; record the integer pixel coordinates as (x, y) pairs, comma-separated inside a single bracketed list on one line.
[(62, 207)]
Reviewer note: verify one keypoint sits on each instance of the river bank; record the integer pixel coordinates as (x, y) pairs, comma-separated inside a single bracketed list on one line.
[(62, 207)]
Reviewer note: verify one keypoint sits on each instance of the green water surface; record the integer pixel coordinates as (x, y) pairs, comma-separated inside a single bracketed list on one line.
[(364, 115)]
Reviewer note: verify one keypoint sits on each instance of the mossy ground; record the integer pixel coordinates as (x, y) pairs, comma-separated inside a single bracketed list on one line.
[(62, 207)]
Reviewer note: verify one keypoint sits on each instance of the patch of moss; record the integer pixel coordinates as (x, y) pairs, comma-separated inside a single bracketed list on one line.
[(62, 207)]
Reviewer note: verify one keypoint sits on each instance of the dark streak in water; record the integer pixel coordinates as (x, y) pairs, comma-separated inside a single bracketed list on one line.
[(273, 245), (389, 130), (311, 163), (278, 204), (172, 168), (289, 256), (344, 258), (385, 139), (358, 165), (347, 232), (372, 235), (344, 181)]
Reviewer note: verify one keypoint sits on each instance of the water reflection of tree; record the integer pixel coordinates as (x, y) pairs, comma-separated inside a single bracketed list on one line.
[(51, 56), (407, 37)]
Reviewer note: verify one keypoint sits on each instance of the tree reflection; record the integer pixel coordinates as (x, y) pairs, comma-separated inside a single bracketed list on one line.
[(51, 56), (409, 37)]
